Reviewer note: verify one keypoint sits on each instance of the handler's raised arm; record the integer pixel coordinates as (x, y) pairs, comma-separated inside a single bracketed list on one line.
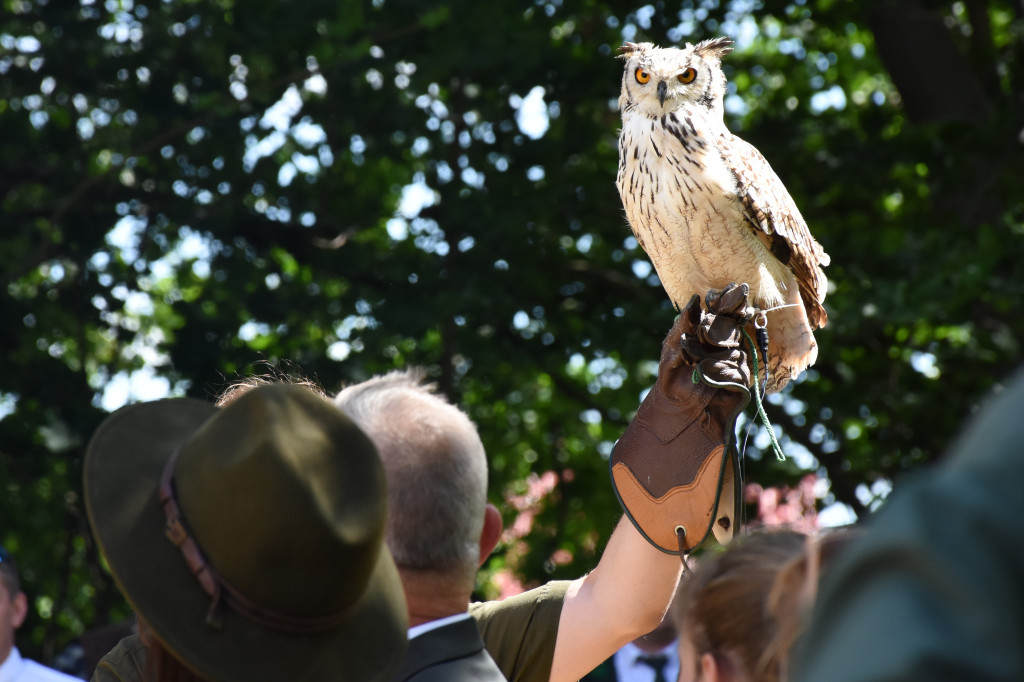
[(672, 471)]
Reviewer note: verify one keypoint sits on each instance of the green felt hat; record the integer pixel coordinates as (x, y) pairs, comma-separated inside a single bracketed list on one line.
[(250, 537)]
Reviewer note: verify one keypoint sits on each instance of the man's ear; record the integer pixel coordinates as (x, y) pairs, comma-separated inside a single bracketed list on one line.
[(709, 670), (19, 609), (491, 532)]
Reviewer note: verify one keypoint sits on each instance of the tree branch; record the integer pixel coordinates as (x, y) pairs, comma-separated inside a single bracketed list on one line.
[(923, 60)]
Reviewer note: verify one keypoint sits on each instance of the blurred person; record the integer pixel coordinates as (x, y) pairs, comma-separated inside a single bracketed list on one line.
[(740, 611), (248, 539), (933, 590), (13, 609), (653, 657), (727, 629)]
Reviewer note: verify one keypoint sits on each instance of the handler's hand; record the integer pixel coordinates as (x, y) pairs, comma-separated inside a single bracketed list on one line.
[(670, 465)]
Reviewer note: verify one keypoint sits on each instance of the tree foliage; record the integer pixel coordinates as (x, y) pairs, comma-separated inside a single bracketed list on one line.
[(191, 188)]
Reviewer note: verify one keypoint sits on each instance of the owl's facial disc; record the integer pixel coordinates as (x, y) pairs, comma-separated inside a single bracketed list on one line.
[(667, 86)]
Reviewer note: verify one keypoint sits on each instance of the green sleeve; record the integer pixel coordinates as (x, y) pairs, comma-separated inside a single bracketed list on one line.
[(933, 590), (124, 663), (520, 631)]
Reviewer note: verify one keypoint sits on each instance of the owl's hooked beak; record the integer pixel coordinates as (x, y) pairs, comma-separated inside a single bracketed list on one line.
[(662, 92)]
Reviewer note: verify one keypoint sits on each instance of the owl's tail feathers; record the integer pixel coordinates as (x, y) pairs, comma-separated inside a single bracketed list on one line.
[(811, 288), (816, 314)]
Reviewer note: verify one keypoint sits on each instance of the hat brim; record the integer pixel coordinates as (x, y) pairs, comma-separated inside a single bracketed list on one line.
[(122, 469)]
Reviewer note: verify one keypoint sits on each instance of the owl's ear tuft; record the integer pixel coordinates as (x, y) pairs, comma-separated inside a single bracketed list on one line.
[(627, 50), (715, 47), (630, 49)]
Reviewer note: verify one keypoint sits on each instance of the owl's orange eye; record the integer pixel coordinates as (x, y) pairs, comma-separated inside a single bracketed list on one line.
[(687, 76), (642, 76)]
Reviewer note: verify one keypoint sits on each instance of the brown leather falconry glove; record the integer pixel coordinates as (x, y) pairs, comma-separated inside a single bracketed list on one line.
[(675, 469)]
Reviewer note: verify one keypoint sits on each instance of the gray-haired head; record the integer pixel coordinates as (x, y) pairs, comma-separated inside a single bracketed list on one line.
[(436, 471)]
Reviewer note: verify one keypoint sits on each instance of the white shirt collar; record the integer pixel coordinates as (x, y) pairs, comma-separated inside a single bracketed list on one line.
[(11, 668), (627, 667), (417, 630)]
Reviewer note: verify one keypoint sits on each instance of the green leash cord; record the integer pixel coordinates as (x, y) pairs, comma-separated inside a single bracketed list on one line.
[(779, 455)]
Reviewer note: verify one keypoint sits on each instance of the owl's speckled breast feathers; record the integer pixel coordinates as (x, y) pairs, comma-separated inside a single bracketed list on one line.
[(706, 206)]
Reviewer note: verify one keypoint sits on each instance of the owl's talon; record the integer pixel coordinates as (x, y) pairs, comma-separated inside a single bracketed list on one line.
[(731, 299), (711, 298)]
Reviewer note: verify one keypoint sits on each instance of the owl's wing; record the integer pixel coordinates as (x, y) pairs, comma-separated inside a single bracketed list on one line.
[(774, 217)]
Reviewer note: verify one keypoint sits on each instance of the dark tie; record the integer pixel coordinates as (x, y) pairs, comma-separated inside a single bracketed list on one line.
[(657, 664)]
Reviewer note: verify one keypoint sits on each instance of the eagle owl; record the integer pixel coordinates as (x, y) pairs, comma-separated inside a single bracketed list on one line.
[(707, 208)]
